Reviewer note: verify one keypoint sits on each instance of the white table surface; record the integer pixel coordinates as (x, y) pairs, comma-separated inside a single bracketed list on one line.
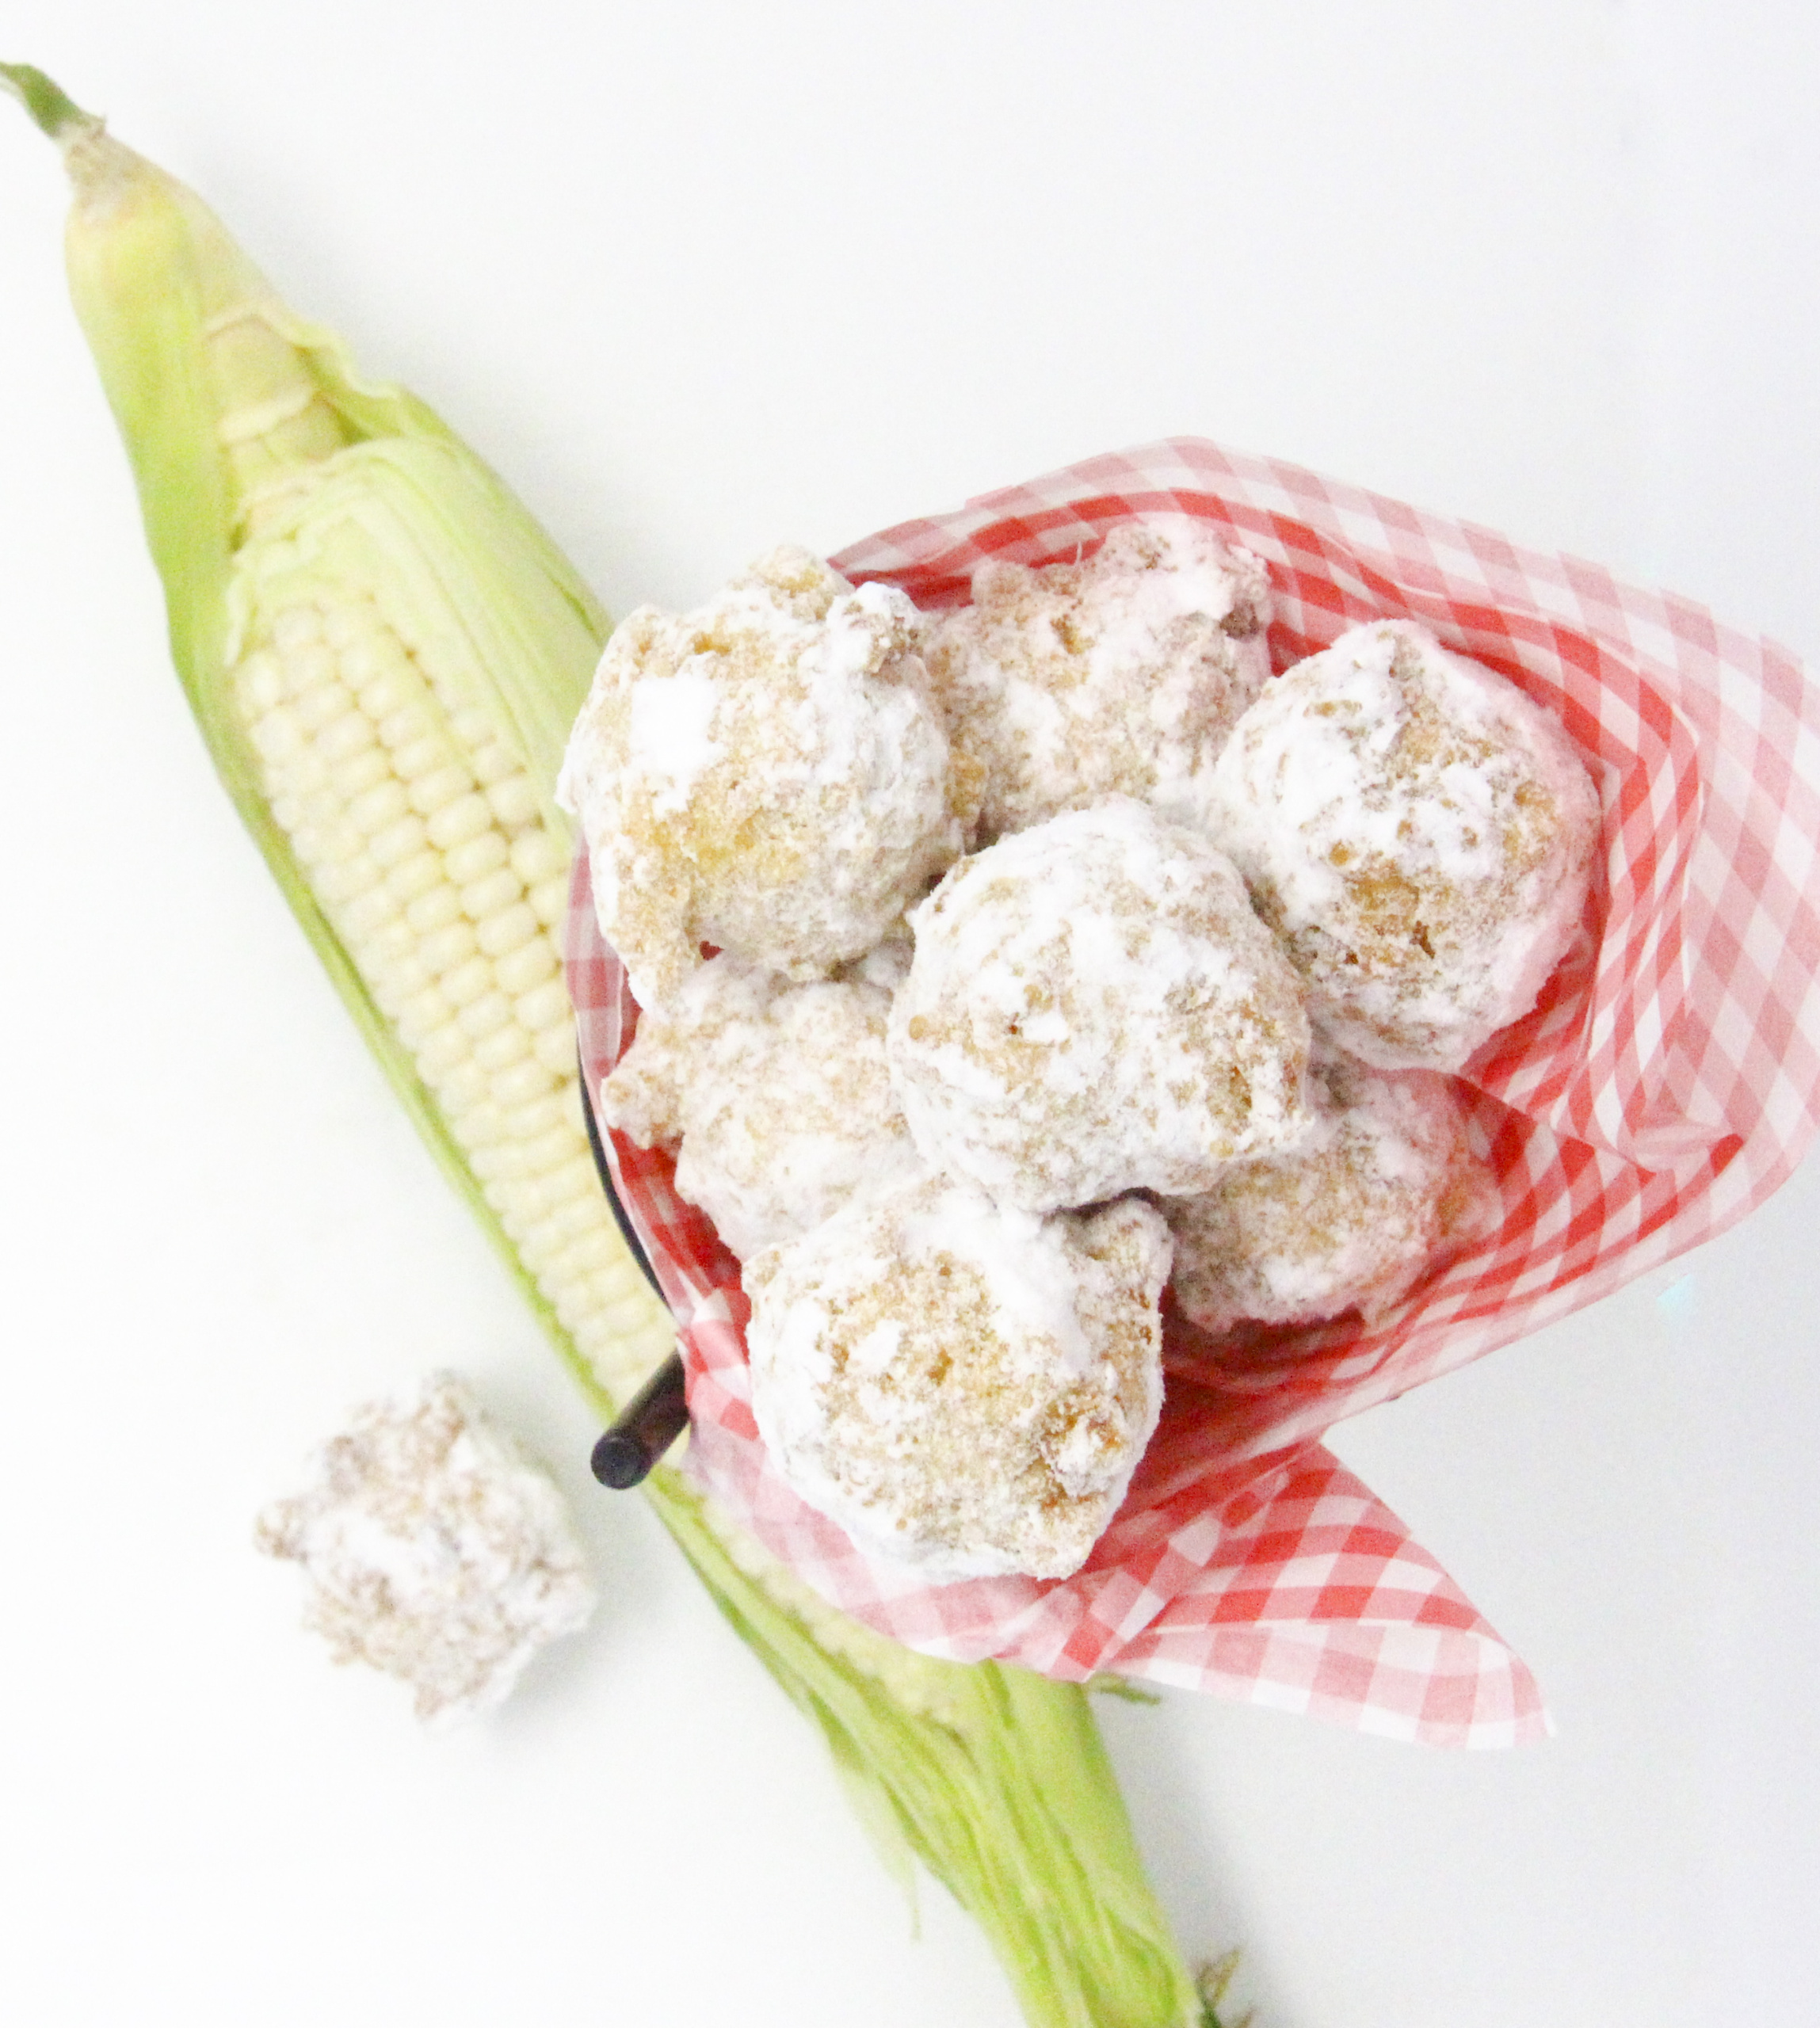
[(698, 279)]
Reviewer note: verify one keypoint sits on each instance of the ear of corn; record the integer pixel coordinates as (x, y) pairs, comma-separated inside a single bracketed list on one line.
[(384, 653)]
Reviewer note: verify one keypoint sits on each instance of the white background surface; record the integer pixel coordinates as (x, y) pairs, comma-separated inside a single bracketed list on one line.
[(697, 280)]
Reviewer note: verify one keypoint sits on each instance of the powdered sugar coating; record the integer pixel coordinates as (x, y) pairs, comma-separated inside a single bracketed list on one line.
[(966, 1389), (1124, 674), (1094, 1008), (1419, 833), (1384, 1189), (767, 774), (780, 1096), (437, 1550)]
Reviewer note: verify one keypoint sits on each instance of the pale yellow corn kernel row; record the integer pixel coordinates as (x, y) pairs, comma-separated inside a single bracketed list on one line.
[(423, 839)]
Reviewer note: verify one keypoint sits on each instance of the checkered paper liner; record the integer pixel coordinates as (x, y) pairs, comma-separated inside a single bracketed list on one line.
[(1667, 1082)]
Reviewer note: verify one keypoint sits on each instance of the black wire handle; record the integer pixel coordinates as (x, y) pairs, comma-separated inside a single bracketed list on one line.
[(657, 1416), (658, 1413)]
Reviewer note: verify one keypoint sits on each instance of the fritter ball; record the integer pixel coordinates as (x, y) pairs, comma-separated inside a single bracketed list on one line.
[(1419, 834), (1122, 675), (779, 1095), (1092, 1008), (767, 774), (436, 1548), (1387, 1188), (965, 1389)]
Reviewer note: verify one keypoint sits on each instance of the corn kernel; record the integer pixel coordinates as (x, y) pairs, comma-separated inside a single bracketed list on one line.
[(399, 842), (418, 757), (430, 792), (544, 1005), (522, 1084), (551, 898), (374, 809), (493, 764), (452, 945), (388, 689), (554, 1048), (307, 667), (528, 965), (463, 1090), (295, 629), (261, 681), (406, 726), (504, 1049), (442, 1051), (353, 877), (345, 737), (322, 704), (476, 857), (536, 855), (514, 800), (457, 821), (467, 982), (480, 1017), (434, 905), (524, 1122), (343, 624), (484, 897), (502, 934), (277, 736), (366, 770), (411, 880)]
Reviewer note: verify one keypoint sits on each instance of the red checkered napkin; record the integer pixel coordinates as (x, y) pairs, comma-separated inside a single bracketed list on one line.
[(1667, 1083)]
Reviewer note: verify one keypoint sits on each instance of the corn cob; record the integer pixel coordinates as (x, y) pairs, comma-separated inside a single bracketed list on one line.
[(384, 654)]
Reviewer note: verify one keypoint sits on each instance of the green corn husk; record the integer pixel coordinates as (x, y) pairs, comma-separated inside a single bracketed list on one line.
[(269, 470)]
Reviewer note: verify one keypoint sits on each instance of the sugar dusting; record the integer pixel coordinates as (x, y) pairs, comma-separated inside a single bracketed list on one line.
[(767, 774), (671, 740), (1120, 675), (436, 1549), (1092, 1008), (778, 1096), (962, 1389), (1385, 1188), (1419, 834)]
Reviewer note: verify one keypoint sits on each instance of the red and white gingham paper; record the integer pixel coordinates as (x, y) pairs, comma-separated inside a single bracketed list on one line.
[(1667, 1083)]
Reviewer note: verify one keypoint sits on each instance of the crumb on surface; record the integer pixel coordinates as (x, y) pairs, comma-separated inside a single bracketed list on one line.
[(437, 1549)]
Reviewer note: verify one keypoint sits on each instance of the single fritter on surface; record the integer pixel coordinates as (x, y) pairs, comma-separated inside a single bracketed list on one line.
[(1094, 1008), (779, 1095), (1121, 675), (1419, 833), (767, 774), (1386, 1188), (966, 1389), (436, 1549)]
